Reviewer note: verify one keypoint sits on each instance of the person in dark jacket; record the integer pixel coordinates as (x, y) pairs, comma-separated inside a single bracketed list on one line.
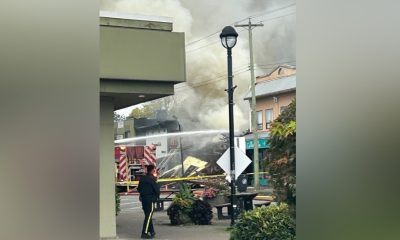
[(149, 193)]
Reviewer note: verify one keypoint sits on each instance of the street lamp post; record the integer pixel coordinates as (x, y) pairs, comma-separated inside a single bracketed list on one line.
[(228, 39)]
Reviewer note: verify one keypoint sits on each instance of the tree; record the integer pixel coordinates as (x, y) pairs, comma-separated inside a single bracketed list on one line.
[(145, 111), (148, 110), (282, 167)]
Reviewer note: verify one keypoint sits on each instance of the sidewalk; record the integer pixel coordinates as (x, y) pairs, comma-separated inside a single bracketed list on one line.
[(129, 226), (129, 223)]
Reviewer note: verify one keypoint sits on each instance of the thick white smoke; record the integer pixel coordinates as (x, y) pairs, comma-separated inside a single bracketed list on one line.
[(202, 100)]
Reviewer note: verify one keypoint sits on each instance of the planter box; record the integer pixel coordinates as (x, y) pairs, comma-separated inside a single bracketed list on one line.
[(219, 199)]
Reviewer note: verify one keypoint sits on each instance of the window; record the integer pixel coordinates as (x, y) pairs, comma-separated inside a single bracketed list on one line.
[(269, 117), (259, 120)]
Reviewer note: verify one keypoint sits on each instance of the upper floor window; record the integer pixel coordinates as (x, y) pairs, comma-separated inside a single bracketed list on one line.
[(259, 120), (269, 117)]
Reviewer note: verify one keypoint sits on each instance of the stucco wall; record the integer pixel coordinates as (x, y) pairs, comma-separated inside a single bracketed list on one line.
[(268, 103), (141, 54), (107, 168)]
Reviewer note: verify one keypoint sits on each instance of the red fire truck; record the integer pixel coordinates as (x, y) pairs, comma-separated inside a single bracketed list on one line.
[(131, 161)]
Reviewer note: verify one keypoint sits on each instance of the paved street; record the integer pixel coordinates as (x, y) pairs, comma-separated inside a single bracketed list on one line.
[(130, 204)]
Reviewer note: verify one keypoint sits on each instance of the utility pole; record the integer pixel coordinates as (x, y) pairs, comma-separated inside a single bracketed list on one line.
[(256, 164)]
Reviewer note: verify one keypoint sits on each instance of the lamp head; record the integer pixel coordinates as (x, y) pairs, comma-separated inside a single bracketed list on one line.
[(228, 37)]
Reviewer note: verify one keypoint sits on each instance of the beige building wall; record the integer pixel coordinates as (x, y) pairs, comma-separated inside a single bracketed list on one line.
[(275, 103), (107, 168)]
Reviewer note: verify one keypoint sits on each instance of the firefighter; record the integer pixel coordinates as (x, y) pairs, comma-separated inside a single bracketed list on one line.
[(149, 193)]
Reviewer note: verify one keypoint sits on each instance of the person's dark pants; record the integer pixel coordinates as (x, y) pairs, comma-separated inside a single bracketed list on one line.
[(148, 209)]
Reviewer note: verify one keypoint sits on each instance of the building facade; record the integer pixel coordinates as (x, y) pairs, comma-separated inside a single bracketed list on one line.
[(274, 91)]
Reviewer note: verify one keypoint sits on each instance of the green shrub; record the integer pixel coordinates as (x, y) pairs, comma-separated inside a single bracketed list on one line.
[(181, 206), (177, 215), (201, 213), (265, 223), (282, 164), (185, 193), (184, 204), (185, 208)]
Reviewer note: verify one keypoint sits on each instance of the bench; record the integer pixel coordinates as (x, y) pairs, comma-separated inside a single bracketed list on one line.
[(219, 210), (159, 204), (260, 204)]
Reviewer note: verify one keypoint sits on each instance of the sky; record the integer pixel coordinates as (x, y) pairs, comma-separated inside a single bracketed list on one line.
[(202, 99)]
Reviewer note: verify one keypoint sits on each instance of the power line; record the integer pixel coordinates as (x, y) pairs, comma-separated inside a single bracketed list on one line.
[(267, 12), (254, 16), (269, 19), (241, 68), (212, 43), (212, 80), (215, 79), (201, 39), (237, 72), (247, 66), (217, 41), (223, 74)]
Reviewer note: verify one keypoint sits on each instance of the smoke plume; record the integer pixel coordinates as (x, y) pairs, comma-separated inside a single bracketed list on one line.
[(201, 102)]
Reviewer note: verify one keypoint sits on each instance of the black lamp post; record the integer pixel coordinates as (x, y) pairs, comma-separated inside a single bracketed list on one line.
[(228, 39)]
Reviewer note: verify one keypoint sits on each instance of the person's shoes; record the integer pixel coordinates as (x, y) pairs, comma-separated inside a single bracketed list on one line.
[(153, 234), (146, 236)]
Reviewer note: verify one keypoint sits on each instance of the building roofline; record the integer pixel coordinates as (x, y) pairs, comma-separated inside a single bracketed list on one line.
[(275, 79), (130, 16), (127, 20), (279, 66), (272, 94)]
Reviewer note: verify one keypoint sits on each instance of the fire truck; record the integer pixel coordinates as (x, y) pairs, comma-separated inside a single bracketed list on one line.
[(131, 161)]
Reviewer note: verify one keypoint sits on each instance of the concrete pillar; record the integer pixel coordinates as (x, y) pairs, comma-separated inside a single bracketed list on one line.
[(107, 168)]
